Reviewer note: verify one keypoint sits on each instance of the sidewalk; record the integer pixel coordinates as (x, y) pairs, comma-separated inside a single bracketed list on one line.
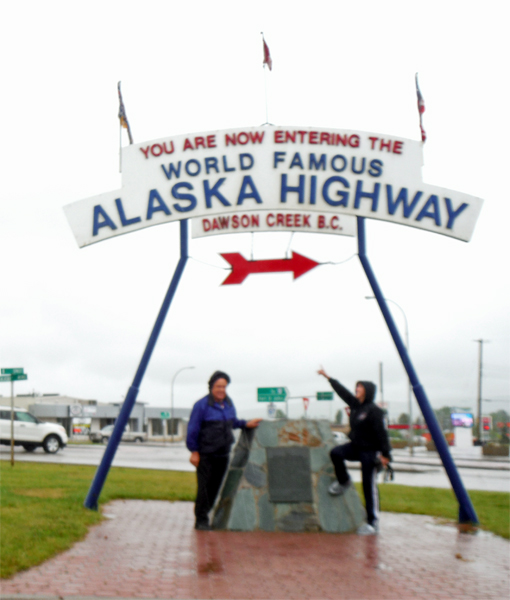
[(149, 549)]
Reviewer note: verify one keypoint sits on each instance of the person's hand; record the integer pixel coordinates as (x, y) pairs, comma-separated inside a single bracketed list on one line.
[(322, 372), (253, 423), (194, 459), (385, 461)]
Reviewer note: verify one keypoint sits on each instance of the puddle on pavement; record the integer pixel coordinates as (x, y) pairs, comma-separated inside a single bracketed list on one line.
[(453, 527), (212, 566)]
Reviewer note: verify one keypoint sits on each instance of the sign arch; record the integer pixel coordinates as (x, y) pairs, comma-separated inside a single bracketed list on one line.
[(353, 174)]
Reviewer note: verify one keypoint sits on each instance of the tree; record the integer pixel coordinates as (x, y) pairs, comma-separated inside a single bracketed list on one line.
[(280, 414), (500, 416), (500, 420), (403, 419), (443, 417), (339, 416)]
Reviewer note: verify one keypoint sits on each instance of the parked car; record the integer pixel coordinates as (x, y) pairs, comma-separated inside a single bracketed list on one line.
[(128, 436), (29, 432)]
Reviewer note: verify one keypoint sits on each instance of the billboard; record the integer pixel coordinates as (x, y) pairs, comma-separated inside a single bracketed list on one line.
[(462, 419)]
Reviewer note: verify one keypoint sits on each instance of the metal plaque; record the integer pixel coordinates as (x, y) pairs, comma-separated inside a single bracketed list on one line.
[(289, 474)]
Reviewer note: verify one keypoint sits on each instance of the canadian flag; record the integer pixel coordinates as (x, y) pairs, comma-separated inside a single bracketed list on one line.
[(267, 55), (421, 108)]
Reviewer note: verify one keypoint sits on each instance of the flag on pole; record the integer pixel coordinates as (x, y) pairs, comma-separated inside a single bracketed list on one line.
[(421, 109), (267, 55), (122, 115)]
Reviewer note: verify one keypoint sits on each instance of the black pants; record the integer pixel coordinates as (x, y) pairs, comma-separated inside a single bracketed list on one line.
[(210, 473), (368, 461)]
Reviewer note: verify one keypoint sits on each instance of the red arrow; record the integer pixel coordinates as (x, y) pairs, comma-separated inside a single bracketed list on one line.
[(241, 267)]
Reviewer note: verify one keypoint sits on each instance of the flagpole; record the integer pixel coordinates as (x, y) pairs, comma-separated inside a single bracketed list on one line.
[(120, 147), (265, 94)]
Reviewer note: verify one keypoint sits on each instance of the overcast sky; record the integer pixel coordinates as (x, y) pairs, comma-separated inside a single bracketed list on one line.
[(77, 320)]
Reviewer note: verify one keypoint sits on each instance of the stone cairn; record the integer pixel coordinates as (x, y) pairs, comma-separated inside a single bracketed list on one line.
[(278, 480)]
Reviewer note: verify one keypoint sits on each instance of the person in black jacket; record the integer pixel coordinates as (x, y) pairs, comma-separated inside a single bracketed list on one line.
[(369, 444)]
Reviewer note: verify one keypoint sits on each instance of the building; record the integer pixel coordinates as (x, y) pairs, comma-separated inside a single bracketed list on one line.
[(79, 416)]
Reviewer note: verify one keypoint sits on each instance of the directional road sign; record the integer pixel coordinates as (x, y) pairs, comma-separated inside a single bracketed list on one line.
[(271, 394), (12, 371), (324, 395), (19, 377), (5, 378), (165, 415)]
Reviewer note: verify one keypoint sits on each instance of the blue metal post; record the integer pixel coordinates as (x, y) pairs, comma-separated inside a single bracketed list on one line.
[(467, 512), (91, 501)]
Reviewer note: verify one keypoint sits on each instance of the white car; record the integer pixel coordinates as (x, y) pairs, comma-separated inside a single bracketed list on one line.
[(105, 434), (29, 432)]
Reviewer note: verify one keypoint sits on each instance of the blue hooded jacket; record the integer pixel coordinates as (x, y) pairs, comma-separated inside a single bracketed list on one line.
[(210, 426)]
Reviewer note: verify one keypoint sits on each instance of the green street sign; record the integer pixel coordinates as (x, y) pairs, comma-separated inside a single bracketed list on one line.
[(5, 378), (271, 394), (165, 415), (12, 371), (19, 377), (324, 395)]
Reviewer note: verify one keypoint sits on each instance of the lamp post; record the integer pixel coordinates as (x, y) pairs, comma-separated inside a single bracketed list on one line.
[(409, 387), (479, 400), (172, 403)]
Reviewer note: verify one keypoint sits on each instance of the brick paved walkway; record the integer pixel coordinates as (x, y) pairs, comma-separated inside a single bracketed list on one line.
[(149, 549)]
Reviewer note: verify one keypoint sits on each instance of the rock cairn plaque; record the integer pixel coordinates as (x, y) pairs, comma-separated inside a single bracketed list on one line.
[(278, 480)]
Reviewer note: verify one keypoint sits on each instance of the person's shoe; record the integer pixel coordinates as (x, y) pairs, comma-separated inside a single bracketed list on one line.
[(203, 527), (337, 489), (367, 529)]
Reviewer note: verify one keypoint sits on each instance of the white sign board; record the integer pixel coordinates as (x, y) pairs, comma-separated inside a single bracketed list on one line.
[(273, 169), (274, 221)]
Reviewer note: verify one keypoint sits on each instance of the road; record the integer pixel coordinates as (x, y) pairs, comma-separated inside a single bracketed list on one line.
[(422, 470)]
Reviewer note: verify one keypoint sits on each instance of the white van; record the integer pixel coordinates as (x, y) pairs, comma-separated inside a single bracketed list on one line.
[(29, 432)]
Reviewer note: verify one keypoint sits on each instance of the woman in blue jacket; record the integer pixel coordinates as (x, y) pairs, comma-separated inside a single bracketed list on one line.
[(209, 440)]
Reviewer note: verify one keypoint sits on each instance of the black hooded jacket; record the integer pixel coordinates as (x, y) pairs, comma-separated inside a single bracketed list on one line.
[(366, 419)]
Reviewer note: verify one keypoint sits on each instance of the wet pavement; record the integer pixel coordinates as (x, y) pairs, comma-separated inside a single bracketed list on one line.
[(149, 549)]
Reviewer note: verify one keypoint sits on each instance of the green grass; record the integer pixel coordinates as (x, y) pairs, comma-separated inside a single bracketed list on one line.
[(41, 505), (42, 513), (492, 508)]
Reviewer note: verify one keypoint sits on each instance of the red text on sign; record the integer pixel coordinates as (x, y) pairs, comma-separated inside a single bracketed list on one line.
[(381, 144)]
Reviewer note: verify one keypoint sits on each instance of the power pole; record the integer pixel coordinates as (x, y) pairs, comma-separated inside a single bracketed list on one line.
[(480, 365)]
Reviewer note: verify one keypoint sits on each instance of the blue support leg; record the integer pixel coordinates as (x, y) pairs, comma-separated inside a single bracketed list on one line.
[(92, 498), (467, 512)]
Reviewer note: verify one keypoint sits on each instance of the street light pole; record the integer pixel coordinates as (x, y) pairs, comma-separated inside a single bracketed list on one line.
[(480, 364), (172, 403), (383, 403), (409, 386)]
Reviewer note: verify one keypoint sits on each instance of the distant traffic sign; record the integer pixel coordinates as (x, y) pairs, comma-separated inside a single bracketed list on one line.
[(19, 377), (324, 395), (5, 378), (12, 371), (165, 415), (278, 394)]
